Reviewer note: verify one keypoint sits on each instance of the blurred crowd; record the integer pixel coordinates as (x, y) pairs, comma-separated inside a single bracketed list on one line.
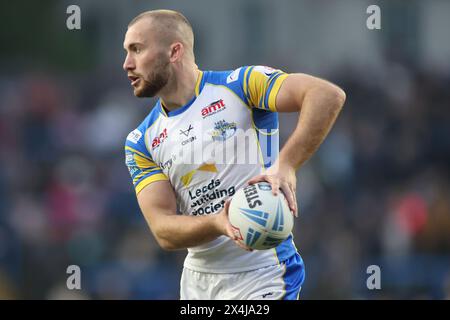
[(376, 193)]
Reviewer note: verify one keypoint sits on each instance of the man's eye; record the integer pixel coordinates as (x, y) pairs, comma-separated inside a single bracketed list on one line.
[(137, 50)]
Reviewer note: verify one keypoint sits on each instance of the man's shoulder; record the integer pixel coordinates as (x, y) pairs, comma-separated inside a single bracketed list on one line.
[(231, 79), (135, 138), (225, 77)]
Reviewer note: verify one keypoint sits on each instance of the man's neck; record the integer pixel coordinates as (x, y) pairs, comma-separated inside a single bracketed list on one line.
[(181, 90)]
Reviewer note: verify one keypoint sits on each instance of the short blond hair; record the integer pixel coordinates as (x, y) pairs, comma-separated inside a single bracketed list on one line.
[(169, 26)]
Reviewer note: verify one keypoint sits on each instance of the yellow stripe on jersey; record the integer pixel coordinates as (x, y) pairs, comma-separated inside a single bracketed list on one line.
[(273, 93), (143, 163), (144, 173), (142, 168), (257, 85), (147, 181), (197, 84), (163, 109), (261, 86)]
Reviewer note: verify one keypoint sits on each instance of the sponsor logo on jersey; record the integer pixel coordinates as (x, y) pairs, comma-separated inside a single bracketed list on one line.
[(233, 76), (134, 136), (213, 108), (267, 71), (187, 131), (209, 198), (223, 130), (159, 139), (134, 170), (186, 134), (129, 159), (131, 162), (168, 164), (184, 142)]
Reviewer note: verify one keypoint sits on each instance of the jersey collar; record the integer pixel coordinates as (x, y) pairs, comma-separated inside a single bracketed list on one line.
[(198, 88)]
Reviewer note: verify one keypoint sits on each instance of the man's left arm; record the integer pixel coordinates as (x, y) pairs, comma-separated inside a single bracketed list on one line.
[(318, 103)]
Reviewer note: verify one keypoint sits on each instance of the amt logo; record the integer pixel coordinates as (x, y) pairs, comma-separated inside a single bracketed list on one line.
[(213, 108), (159, 139)]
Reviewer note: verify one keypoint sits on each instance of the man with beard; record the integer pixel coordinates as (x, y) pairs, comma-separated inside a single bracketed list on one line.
[(182, 190)]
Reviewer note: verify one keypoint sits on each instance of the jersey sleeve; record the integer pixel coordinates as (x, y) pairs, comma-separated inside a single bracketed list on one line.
[(260, 85), (142, 168)]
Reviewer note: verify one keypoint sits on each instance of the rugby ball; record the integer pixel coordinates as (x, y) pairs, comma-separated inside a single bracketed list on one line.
[(260, 219)]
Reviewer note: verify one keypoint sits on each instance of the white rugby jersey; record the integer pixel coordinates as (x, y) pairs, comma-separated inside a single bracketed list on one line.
[(208, 149)]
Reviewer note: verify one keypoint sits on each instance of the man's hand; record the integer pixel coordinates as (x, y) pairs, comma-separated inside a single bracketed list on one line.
[(318, 103), (281, 176), (225, 227)]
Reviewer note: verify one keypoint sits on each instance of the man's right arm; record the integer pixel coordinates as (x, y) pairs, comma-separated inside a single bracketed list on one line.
[(158, 205)]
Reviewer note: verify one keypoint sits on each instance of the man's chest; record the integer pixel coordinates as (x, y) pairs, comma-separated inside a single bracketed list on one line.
[(207, 132)]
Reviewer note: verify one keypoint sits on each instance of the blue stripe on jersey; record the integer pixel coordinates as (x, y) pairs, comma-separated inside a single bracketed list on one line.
[(293, 277), (152, 117), (267, 122), (286, 249), (241, 84), (247, 78), (272, 81), (220, 78), (271, 144), (265, 119), (261, 104), (215, 77)]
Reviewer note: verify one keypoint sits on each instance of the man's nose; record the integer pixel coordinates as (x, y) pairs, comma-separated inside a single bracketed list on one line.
[(128, 64)]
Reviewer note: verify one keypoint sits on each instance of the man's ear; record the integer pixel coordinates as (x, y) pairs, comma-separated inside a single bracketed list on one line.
[(176, 51)]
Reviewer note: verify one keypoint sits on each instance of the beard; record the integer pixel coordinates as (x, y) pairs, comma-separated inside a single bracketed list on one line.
[(156, 79)]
